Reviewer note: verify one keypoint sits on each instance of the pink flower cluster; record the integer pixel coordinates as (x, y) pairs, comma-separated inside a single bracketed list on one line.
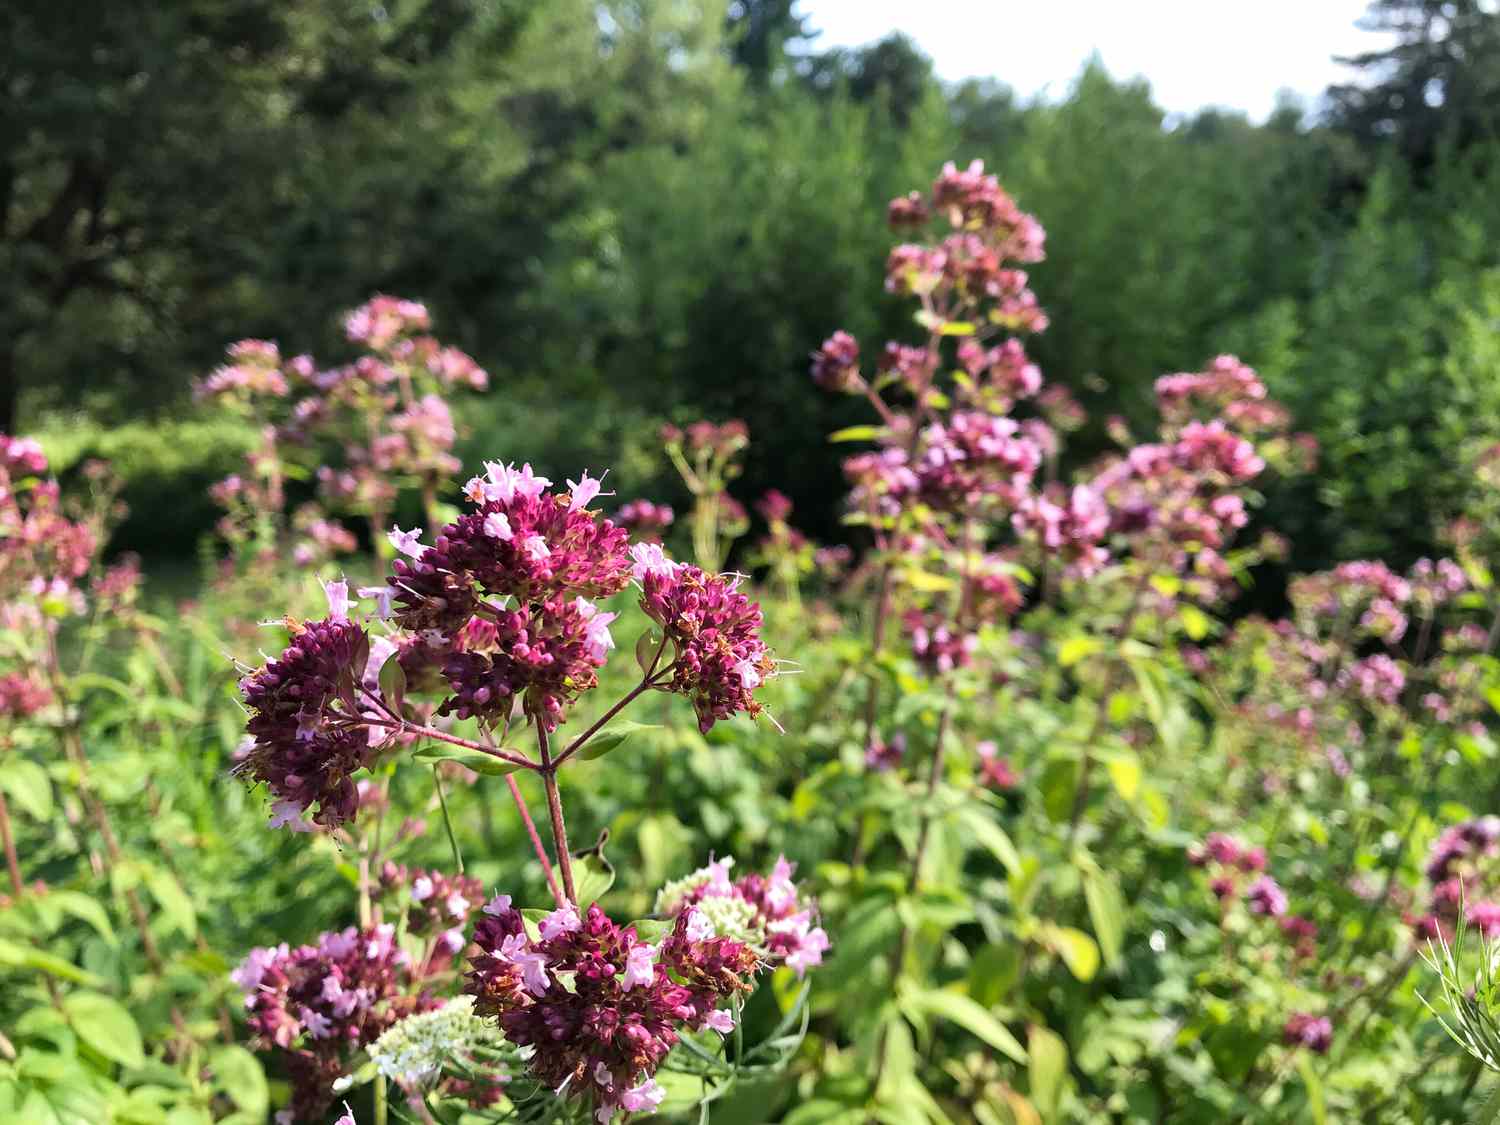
[(883, 755), (780, 924), (1460, 867), (382, 320), (22, 696), (975, 457), (601, 1007), (835, 365), (712, 631), (1226, 859), (545, 554), (306, 747), (995, 771), (43, 552), (938, 646), (1071, 527), (319, 1004), (644, 519), (386, 410), (437, 905), (1305, 1030), (1377, 678), (705, 438), (21, 457), (1225, 384)]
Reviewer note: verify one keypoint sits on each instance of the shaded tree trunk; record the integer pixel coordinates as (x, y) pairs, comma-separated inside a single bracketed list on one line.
[(9, 387)]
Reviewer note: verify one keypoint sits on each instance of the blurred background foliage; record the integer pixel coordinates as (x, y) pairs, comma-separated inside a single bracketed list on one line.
[(639, 210)]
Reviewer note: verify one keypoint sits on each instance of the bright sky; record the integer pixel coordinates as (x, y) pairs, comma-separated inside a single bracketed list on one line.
[(1232, 53)]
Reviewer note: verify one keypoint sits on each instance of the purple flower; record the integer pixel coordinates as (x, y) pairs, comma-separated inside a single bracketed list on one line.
[(1305, 1030), (881, 755), (782, 922), (1265, 896), (835, 365), (321, 1004), (601, 1008), (713, 631), (409, 543), (305, 750)]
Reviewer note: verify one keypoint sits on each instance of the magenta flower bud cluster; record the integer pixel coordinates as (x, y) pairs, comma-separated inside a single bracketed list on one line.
[(1306, 1030), (307, 747), (320, 1004), (498, 611), (385, 409), (712, 631), (1461, 869), (644, 519), (599, 1006)]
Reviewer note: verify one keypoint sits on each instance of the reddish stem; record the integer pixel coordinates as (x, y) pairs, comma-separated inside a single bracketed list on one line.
[(577, 744), (443, 736), (536, 840)]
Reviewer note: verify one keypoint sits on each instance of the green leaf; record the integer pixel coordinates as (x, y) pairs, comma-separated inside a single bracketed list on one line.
[(928, 583), (28, 783), (612, 737), (962, 1010), (476, 760), (992, 838), (1314, 1085), (1124, 768), (1046, 1070), (1195, 622), (1075, 947), (593, 875), (1074, 649), (649, 650), (1059, 786), (86, 909), (856, 433), (993, 971), (13, 955), (393, 683), (239, 1075), (175, 905), (105, 1026), (1106, 913)]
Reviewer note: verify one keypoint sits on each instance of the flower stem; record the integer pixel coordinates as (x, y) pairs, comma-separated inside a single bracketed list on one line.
[(73, 749), (877, 642), (555, 810), (536, 840), (11, 861), (437, 782), (577, 744), (443, 736)]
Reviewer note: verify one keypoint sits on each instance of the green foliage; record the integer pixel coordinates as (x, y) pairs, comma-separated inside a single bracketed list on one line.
[(641, 211)]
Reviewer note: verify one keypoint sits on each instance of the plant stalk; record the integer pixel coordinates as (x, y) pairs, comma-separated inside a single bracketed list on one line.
[(555, 810)]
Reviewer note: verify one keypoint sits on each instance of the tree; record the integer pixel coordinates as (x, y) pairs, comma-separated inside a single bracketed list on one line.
[(147, 150), (1441, 78), (758, 34), (893, 70)]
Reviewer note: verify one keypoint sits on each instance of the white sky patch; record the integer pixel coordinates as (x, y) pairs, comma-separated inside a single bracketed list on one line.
[(1195, 53)]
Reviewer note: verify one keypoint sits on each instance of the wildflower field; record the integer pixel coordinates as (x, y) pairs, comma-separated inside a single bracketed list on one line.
[(454, 793)]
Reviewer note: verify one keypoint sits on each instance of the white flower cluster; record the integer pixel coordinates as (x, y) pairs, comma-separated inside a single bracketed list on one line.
[(414, 1050)]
